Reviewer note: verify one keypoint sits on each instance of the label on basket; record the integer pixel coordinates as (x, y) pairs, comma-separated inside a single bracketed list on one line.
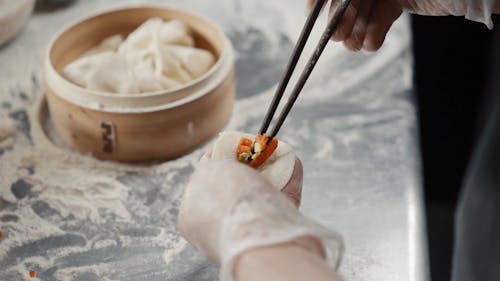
[(108, 136)]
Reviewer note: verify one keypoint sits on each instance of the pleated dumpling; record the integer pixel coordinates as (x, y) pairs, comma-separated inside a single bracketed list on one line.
[(147, 71), (109, 44), (82, 70), (196, 61), (157, 55), (156, 31), (103, 72)]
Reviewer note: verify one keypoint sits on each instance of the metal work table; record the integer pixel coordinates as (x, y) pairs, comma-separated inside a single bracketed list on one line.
[(353, 127)]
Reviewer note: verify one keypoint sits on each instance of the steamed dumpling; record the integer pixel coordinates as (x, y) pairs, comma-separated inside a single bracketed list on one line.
[(156, 31), (196, 61), (170, 65), (83, 71), (148, 80), (113, 78), (109, 72), (109, 44), (158, 55)]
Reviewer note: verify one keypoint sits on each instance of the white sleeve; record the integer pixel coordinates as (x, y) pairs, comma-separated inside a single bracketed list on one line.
[(480, 11)]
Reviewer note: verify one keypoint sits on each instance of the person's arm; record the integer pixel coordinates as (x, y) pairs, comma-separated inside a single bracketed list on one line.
[(496, 8), (285, 262), (239, 220), (365, 23)]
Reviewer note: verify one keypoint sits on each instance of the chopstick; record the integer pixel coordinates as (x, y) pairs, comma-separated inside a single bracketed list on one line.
[(325, 37), (297, 51)]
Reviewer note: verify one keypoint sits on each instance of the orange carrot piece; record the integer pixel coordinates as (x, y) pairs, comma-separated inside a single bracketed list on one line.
[(32, 274), (262, 140), (266, 152), (266, 149), (245, 145)]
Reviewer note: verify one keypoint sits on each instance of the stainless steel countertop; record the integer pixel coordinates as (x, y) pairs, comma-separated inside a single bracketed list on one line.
[(353, 126)]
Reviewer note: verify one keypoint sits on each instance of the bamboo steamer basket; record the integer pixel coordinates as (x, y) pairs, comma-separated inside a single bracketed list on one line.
[(138, 127)]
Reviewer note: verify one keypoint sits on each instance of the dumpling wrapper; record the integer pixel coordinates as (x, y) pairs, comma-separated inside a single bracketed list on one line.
[(114, 77), (157, 31), (108, 72), (277, 169), (156, 56), (83, 71), (196, 61), (168, 64), (147, 80), (170, 48), (108, 44)]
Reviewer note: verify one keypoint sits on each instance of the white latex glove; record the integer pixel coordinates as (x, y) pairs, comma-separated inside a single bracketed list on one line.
[(229, 208), (366, 22)]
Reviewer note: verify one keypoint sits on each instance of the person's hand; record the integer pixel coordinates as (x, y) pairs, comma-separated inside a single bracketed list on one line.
[(220, 183), (229, 208), (293, 189), (365, 23)]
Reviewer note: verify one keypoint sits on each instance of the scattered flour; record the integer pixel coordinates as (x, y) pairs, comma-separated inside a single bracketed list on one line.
[(326, 149), (69, 193), (28, 228), (169, 254), (87, 191), (101, 269), (104, 243), (77, 186), (6, 129)]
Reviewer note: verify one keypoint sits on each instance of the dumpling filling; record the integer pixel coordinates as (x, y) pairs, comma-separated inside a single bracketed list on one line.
[(255, 153)]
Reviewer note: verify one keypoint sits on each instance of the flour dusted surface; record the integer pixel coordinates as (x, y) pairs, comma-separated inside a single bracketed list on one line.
[(355, 114)]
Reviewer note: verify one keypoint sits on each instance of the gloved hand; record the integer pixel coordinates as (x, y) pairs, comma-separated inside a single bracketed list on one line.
[(229, 208), (292, 190), (366, 22)]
